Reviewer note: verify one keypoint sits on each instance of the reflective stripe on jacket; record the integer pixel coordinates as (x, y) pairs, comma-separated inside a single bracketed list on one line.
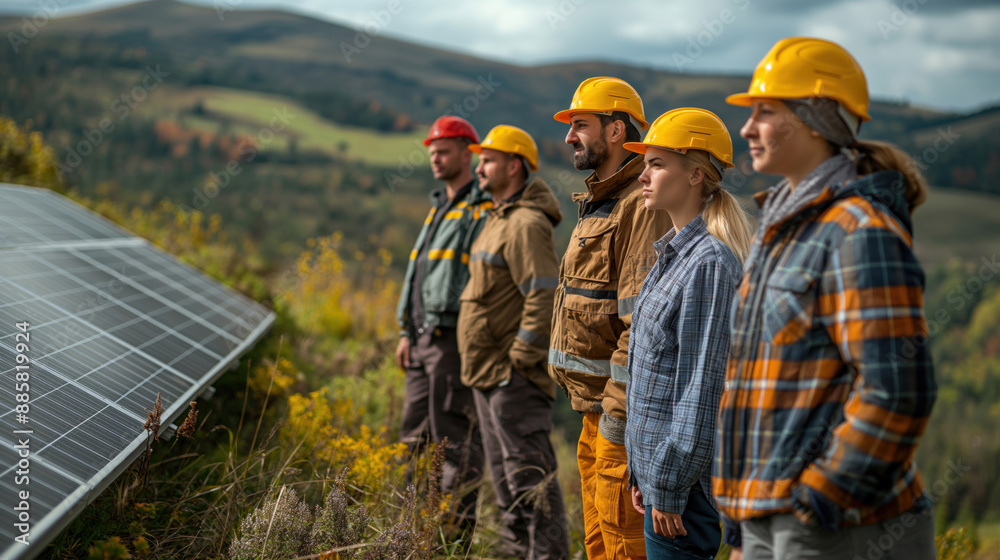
[(445, 268), (506, 312), (608, 257)]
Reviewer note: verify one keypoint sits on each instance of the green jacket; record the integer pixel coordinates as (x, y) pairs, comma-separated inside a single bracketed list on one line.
[(445, 266)]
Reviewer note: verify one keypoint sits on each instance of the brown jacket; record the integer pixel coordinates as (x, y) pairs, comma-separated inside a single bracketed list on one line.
[(608, 257), (506, 308)]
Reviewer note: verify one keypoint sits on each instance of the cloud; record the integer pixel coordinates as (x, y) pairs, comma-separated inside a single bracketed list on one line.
[(940, 53)]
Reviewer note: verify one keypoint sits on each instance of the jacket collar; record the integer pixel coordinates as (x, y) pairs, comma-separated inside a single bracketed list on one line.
[(882, 188), (683, 241), (626, 175), (470, 190), (536, 194)]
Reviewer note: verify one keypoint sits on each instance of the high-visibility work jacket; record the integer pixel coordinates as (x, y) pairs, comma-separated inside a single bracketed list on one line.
[(444, 266), (608, 257)]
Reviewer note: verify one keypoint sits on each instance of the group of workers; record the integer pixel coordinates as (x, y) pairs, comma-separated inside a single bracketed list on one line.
[(737, 385)]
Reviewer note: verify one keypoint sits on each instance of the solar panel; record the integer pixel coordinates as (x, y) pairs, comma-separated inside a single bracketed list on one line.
[(101, 321), (30, 216)]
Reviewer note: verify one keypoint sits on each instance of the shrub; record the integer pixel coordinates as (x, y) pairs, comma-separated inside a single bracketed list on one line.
[(277, 529), (338, 523)]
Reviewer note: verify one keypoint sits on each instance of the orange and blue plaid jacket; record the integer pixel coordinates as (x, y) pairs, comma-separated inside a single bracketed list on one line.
[(829, 383)]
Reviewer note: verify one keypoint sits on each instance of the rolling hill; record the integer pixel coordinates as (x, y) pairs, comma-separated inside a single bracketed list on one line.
[(359, 107), (296, 54)]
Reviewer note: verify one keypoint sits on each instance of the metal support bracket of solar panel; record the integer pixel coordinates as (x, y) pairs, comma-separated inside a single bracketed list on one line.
[(94, 323)]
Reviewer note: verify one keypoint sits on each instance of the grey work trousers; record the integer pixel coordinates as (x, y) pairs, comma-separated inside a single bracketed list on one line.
[(439, 406), (783, 537), (515, 422)]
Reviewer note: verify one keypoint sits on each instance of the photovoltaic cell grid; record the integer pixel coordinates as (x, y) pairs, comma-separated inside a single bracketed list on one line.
[(113, 322), (37, 216)]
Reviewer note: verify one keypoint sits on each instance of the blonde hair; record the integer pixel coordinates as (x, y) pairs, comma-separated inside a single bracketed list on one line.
[(723, 214), (882, 156)]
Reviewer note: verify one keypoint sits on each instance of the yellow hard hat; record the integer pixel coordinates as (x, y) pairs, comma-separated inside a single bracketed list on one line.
[(605, 95), (511, 140), (802, 67), (686, 129)]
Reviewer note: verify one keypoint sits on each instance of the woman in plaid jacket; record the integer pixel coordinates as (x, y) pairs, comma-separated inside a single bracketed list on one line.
[(680, 332), (829, 384)]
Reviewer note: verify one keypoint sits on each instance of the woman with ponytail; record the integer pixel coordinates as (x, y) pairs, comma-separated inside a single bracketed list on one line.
[(829, 385), (680, 332)]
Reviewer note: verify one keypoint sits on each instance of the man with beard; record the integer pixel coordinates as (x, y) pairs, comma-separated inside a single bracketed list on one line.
[(437, 405), (604, 266), (504, 330)]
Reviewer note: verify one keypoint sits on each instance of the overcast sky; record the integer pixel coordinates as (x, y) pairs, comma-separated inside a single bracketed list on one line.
[(937, 53)]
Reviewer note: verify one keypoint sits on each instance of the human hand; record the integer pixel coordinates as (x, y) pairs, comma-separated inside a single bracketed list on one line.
[(736, 554), (403, 352), (637, 500), (668, 524)]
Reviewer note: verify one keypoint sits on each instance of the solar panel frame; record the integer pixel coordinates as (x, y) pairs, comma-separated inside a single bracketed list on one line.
[(43, 275)]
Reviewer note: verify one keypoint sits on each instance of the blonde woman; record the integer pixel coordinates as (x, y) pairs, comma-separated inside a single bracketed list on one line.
[(680, 332), (826, 394)]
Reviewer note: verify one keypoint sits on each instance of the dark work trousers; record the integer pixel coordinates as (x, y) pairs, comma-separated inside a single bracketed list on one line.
[(438, 406), (701, 522), (515, 423)]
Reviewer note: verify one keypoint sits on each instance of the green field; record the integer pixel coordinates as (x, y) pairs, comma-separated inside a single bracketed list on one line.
[(957, 224), (249, 113)]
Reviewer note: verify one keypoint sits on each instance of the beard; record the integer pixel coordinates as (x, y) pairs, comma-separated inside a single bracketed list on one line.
[(592, 156), (448, 173), (492, 187)]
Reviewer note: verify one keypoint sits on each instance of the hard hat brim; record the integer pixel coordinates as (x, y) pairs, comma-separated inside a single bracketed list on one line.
[(565, 116), (637, 147), (746, 100), (478, 149), (642, 148), (428, 140), (741, 99)]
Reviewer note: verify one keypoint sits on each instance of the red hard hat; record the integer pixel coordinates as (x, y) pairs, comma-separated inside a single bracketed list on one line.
[(451, 127)]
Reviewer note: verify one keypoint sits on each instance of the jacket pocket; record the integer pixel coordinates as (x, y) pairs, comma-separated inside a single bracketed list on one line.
[(588, 256), (591, 322), (478, 348), (789, 304)]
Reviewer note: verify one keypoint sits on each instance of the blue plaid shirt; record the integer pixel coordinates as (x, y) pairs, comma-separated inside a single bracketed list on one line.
[(677, 365)]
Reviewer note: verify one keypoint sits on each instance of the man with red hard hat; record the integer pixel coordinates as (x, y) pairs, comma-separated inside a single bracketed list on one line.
[(438, 406)]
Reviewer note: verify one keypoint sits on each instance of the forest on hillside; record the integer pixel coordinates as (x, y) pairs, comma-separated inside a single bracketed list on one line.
[(308, 435), (140, 144)]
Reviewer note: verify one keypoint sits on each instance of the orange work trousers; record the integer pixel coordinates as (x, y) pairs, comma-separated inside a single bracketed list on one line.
[(614, 529)]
